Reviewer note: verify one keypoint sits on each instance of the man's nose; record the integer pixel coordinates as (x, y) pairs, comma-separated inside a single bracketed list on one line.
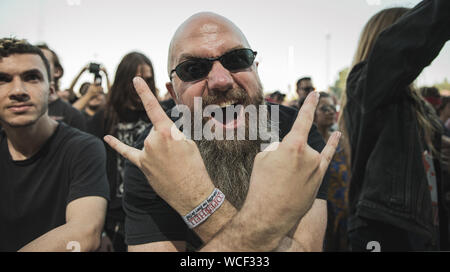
[(18, 91), (219, 78)]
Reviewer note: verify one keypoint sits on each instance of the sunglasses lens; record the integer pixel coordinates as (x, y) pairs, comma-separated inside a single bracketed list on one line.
[(193, 70), (238, 59), (196, 69)]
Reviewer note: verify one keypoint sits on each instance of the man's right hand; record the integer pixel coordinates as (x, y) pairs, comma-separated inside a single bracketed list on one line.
[(171, 163)]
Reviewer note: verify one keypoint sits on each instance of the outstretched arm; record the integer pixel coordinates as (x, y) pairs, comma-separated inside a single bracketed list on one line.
[(401, 52)]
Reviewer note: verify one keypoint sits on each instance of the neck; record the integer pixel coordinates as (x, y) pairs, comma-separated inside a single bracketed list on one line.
[(89, 111), (324, 131), (24, 142), (444, 118)]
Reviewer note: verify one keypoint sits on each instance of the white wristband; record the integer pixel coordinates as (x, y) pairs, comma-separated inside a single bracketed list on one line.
[(205, 209)]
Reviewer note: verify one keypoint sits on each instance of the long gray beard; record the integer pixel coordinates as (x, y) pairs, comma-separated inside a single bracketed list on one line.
[(230, 164)]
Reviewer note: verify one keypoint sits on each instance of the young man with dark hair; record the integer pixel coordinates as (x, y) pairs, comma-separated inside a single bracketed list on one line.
[(58, 109), (304, 87), (53, 179)]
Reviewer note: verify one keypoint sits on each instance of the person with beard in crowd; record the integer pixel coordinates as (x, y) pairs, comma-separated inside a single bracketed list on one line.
[(210, 58), (124, 117), (58, 109), (396, 193), (53, 179)]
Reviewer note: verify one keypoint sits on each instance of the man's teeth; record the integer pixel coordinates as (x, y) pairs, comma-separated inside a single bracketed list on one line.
[(226, 104)]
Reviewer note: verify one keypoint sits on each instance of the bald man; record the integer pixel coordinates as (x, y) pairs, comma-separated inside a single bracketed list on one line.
[(210, 58)]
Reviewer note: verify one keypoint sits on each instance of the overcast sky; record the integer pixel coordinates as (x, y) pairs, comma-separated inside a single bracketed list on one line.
[(289, 35)]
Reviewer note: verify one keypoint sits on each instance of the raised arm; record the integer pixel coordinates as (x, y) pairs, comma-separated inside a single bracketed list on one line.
[(401, 52)]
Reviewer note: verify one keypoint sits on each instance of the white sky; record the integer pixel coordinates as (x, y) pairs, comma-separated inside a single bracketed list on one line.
[(289, 35)]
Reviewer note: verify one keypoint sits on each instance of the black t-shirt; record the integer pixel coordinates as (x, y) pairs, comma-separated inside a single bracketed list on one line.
[(128, 129), (60, 110), (150, 219), (35, 192)]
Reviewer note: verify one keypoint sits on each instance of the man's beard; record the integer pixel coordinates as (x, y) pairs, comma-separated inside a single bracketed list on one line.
[(230, 162)]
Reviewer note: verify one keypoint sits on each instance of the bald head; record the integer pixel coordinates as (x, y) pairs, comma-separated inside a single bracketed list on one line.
[(205, 29)]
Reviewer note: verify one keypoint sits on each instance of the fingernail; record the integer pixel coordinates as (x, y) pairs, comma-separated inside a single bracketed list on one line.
[(136, 81), (317, 94)]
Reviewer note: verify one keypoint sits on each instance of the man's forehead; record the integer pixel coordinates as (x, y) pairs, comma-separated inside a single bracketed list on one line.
[(48, 54), (18, 63), (206, 31)]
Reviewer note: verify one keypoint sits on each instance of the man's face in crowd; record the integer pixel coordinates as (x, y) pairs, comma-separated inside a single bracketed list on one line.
[(210, 37), (229, 163), (24, 90), (304, 88)]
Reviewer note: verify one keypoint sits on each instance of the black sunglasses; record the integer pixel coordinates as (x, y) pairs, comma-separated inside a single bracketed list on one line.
[(308, 89), (326, 109), (198, 68)]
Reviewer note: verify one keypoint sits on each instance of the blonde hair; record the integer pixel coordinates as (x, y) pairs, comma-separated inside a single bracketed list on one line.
[(377, 24)]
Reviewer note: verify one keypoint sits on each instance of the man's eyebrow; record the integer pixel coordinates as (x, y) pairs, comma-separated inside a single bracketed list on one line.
[(33, 71)]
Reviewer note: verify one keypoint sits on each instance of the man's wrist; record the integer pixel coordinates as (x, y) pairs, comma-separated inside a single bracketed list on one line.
[(203, 211)]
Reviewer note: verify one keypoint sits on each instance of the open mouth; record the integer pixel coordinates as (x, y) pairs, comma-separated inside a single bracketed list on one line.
[(232, 116)]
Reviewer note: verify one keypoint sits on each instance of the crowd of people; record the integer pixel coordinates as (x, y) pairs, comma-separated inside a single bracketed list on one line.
[(111, 171)]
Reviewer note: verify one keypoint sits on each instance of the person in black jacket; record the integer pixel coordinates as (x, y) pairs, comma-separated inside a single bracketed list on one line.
[(395, 195)]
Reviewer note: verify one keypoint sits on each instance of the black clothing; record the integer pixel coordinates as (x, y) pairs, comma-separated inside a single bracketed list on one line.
[(60, 110), (168, 104), (87, 117), (127, 130), (388, 237), (388, 182), (36, 191), (150, 219)]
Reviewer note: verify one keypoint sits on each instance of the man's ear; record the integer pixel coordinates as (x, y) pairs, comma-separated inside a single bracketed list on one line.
[(58, 73), (170, 89), (52, 88)]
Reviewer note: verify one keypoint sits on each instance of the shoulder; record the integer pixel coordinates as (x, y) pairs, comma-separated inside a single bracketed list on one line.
[(75, 139), (355, 77)]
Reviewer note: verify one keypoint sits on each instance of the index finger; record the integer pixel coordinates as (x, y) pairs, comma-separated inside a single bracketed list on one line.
[(154, 111), (305, 118)]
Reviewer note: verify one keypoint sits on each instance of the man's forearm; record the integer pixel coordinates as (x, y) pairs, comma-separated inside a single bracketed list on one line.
[(60, 238), (247, 232), (216, 221), (288, 244)]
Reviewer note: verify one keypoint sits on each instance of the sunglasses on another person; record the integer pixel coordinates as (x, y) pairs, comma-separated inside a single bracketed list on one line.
[(197, 68), (308, 89), (326, 108)]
